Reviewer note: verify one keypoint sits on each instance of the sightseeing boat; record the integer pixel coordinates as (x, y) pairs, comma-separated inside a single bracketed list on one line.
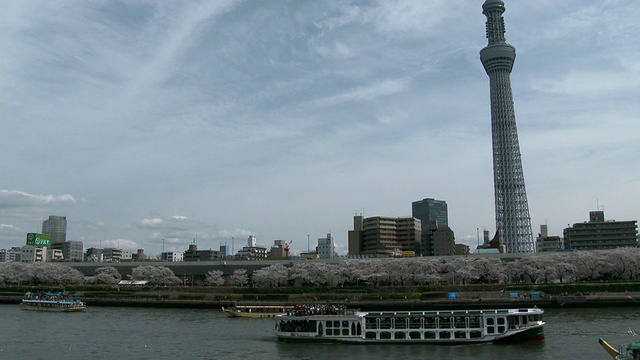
[(437, 327), (51, 302), (257, 311)]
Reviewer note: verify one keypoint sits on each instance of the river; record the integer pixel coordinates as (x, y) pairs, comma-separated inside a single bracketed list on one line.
[(151, 333)]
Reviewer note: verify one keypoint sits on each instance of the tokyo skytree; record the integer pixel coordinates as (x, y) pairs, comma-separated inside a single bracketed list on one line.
[(513, 223)]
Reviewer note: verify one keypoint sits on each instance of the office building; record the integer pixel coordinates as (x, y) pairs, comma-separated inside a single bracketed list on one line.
[(384, 236), (428, 210), (56, 228)]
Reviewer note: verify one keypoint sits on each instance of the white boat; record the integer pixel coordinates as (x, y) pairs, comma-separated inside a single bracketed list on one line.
[(257, 311), (51, 302), (438, 327)]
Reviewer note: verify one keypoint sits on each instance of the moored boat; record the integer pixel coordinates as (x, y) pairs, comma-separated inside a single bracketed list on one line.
[(51, 302), (437, 327), (257, 311)]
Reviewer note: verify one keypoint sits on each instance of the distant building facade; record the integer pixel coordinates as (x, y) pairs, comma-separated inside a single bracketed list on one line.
[(428, 210), (56, 228), (546, 243), (490, 246), (71, 250), (172, 256), (598, 234), (443, 241), (326, 247), (33, 254), (193, 254), (384, 236), (252, 251), (10, 255), (462, 249), (279, 250)]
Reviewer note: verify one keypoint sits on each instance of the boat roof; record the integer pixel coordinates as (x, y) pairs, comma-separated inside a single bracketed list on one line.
[(634, 346), (424, 313), (456, 312)]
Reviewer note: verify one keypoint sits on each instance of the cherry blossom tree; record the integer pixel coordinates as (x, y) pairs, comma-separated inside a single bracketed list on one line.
[(157, 275), (105, 275), (214, 278), (239, 277)]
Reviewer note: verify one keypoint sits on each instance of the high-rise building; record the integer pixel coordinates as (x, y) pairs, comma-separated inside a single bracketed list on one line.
[(428, 210), (56, 228), (513, 224)]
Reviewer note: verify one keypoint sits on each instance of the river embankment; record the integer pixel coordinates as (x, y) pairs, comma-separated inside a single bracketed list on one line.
[(477, 301)]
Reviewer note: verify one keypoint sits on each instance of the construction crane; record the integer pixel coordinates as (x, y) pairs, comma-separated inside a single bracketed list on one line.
[(286, 249)]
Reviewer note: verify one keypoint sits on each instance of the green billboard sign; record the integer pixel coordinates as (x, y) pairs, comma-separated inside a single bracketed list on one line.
[(38, 239)]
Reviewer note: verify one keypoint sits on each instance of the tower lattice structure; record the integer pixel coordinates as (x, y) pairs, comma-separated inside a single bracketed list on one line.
[(513, 223)]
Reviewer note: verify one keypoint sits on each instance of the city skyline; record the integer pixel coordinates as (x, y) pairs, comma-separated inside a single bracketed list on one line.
[(212, 120)]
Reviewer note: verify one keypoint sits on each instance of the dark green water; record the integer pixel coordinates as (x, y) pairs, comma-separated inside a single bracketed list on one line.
[(141, 333)]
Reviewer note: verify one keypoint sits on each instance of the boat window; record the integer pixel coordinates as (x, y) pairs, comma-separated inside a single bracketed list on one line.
[(491, 330), (461, 334), (414, 322), (430, 335), (490, 321), (370, 335), (385, 323), (359, 329), (345, 332), (430, 323), (502, 329), (370, 323), (336, 324), (445, 323), (400, 335), (401, 323), (474, 322), (535, 317), (475, 334), (458, 322), (414, 335), (500, 321), (445, 335), (329, 324), (385, 335), (345, 324)]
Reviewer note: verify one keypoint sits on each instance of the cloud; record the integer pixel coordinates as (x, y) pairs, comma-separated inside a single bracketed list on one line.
[(125, 244), (7, 228), (11, 199), (367, 92)]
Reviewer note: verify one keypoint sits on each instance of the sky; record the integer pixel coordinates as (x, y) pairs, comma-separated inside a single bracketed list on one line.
[(155, 124)]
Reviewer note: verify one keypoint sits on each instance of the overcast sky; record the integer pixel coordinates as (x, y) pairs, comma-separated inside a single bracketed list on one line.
[(211, 120)]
